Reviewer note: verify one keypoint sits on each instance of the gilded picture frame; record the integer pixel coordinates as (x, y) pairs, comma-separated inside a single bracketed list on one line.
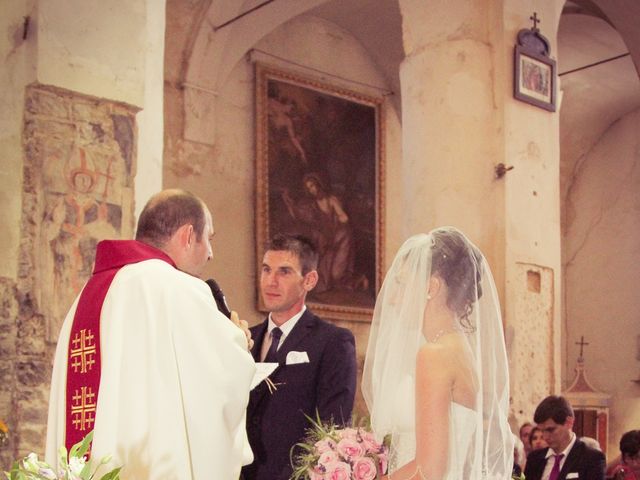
[(320, 173)]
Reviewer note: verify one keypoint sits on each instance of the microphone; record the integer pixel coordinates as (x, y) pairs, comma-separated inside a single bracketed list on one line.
[(218, 296)]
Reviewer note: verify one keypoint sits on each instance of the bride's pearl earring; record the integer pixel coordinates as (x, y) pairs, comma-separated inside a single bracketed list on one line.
[(428, 297)]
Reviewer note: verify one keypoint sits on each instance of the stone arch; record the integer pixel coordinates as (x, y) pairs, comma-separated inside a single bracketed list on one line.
[(599, 119), (215, 48)]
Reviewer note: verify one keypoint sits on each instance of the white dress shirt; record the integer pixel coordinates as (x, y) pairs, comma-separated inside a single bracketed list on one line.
[(286, 328), (551, 458)]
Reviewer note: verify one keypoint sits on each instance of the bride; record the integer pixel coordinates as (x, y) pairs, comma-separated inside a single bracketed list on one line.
[(436, 375)]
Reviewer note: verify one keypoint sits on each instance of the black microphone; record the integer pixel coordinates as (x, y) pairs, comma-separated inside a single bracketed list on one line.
[(218, 296)]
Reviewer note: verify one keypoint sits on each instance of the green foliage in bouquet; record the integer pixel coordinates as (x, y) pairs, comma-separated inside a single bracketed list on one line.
[(73, 466)]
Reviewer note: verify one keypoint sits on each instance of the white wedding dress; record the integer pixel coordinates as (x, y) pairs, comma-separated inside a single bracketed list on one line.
[(462, 425), (480, 440)]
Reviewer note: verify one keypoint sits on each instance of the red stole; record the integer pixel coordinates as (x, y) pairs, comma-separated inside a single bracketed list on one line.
[(83, 361)]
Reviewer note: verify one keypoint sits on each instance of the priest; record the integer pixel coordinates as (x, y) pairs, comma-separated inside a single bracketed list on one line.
[(146, 360)]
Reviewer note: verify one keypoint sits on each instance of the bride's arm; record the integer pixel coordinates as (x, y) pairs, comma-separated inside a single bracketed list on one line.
[(433, 401)]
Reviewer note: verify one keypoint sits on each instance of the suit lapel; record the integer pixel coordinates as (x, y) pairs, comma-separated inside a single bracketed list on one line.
[(296, 336), (293, 340), (572, 460), (258, 332)]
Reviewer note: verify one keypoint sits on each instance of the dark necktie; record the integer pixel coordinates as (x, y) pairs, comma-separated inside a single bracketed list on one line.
[(276, 333), (555, 471)]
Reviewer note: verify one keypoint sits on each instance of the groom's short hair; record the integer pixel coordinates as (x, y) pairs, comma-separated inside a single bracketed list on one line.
[(299, 245), (555, 408)]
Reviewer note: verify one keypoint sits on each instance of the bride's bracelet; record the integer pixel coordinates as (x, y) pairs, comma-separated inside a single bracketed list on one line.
[(418, 472)]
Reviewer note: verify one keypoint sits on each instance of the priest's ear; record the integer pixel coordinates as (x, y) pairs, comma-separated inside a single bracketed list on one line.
[(185, 236)]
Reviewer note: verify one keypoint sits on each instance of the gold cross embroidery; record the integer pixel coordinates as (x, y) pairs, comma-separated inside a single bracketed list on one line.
[(83, 409), (83, 350)]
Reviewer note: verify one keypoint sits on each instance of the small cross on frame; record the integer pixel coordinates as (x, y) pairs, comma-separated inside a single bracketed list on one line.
[(536, 21), (582, 343)]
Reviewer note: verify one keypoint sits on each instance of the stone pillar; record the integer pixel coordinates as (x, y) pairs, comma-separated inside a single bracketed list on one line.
[(451, 122), (459, 121)]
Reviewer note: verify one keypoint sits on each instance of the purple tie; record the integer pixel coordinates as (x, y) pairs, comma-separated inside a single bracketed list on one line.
[(555, 471)]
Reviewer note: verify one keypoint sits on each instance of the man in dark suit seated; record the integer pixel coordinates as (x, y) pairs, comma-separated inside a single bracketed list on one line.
[(317, 371), (567, 457)]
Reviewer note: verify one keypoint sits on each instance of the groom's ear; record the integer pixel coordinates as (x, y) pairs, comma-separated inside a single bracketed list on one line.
[(310, 280)]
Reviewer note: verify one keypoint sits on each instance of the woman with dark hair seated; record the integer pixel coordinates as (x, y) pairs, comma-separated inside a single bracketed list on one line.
[(629, 466), (536, 440)]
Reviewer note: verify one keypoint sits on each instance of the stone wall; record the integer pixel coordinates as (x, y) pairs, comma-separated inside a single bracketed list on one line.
[(78, 167)]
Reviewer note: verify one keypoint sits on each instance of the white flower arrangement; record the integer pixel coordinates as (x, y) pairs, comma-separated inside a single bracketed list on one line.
[(73, 466)]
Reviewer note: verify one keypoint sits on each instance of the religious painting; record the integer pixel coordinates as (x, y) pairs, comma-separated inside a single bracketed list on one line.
[(535, 79), (320, 173)]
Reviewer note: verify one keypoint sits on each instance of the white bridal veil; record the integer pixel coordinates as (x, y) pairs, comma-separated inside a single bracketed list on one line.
[(481, 442)]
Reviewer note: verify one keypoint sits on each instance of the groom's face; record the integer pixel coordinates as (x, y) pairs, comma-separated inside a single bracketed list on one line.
[(557, 435), (283, 285)]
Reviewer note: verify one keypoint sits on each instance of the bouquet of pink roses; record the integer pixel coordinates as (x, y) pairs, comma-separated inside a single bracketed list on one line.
[(330, 452)]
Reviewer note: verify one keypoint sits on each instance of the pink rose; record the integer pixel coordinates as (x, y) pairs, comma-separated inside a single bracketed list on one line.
[(327, 458), (338, 471), (325, 445), (350, 433), (364, 469), (315, 474), (369, 441), (350, 449)]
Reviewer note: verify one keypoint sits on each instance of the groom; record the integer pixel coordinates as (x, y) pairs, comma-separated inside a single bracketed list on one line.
[(317, 371), (567, 456)]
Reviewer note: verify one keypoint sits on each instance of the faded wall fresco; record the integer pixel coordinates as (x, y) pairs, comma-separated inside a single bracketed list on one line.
[(81, 152), (79, 164)]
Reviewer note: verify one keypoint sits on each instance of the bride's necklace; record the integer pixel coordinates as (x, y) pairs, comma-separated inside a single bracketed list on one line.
[(442, 332)]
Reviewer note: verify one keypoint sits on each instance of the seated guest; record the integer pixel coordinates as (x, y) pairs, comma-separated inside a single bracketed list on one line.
[(629, 466), (525, 432), (536, 440), (519, 456), (591, 442), (567, 457)]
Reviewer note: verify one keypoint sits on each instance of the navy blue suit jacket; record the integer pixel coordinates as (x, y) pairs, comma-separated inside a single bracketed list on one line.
[(582, 463), (327, 383)]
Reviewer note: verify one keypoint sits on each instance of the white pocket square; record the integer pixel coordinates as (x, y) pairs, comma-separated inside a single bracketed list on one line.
[(572, 475), (294, 357)]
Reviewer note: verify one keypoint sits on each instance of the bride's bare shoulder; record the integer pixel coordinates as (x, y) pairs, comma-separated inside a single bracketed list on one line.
[(442, 353), (433, 352)]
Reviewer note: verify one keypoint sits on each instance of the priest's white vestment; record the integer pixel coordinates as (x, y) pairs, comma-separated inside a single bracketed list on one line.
[(174, 384)]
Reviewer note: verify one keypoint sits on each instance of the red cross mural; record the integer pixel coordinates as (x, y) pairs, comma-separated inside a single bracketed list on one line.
[(83, 351), (83, 409)]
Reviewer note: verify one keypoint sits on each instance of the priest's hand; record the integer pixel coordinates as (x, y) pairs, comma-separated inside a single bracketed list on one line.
[(244, 326)]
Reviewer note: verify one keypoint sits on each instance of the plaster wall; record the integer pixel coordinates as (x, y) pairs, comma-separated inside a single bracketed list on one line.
[(532, 224), (112, 50), (96, 48), (18, 71), (601, 252)]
